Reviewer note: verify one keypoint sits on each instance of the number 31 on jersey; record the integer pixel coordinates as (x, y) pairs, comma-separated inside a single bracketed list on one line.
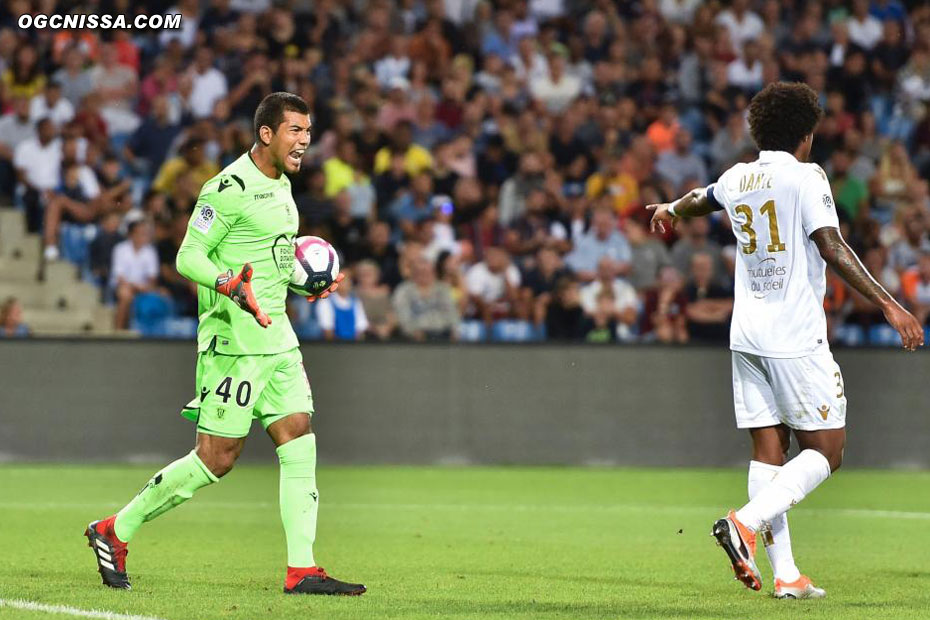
[(767, 209)]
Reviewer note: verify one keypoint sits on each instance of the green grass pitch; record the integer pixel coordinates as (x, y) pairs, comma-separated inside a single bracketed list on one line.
[(466, 543)]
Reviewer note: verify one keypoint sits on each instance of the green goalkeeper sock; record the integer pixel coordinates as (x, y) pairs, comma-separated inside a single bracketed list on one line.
[(172, 486), (299, 498)]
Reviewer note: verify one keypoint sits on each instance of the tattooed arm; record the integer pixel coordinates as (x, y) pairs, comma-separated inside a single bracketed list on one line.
[(844, 262)]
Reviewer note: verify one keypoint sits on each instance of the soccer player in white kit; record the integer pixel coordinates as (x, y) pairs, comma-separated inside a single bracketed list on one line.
[(784, 377)]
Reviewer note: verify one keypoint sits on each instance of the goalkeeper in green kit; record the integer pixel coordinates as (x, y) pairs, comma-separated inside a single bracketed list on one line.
[(239, 249)]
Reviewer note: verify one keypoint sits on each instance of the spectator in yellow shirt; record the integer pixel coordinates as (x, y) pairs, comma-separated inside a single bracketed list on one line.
[(416, 158), (338, 168), (343, 173), (24, 77), (617, 181), (191, 160)]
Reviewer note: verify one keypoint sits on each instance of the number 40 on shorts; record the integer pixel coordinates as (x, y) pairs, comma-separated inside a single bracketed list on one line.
[(243, 391)]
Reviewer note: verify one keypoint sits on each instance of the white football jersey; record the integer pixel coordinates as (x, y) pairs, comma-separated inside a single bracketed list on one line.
[(774, 204)]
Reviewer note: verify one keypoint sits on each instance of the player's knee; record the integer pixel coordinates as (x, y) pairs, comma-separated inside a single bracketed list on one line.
[(834, 456), (290, 428), (767, 448), (836, 453), (770, 457), (219, 461), (221, 464), (785, 447)]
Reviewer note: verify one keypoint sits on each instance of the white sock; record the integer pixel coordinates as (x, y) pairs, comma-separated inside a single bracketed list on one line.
[(797, 478), (777, 540)]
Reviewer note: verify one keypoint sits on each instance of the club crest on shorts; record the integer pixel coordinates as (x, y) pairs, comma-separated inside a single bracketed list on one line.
[(824, 411)]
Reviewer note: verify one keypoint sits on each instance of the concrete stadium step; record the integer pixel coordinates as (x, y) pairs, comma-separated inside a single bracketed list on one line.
[(42, 295), (15, 242), (60, 304), (28, 293), (103, 321), (80, 295), (60, 274), (12, 227), (22, 265), (98, 322), (46, 321), (12, 218)]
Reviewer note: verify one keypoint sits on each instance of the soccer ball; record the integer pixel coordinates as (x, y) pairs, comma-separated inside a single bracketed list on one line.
[(316, 265)]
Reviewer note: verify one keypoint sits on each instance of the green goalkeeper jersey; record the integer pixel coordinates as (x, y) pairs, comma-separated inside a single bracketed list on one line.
[(242, 216)]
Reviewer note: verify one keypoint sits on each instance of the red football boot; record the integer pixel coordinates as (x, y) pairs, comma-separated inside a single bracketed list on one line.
[(314, 580), (110, 552)]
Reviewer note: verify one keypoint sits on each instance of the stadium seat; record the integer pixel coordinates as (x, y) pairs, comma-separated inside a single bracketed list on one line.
[(181, 327), (537, 332), (513, 331), (850, 335), (149, 311), (304, 319), (309, 330), (884, 336), (472, 331)]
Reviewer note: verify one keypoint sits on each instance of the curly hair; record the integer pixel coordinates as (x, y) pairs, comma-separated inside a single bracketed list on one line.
[(782, 114)]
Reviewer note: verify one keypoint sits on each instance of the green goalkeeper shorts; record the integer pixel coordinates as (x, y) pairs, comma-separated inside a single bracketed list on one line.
[(234, 389)]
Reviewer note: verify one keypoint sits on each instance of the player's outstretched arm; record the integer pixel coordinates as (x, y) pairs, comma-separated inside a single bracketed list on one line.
[(837, 253), (693, 204)]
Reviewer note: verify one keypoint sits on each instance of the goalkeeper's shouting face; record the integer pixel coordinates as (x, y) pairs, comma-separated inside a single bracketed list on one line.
[(282, 130)]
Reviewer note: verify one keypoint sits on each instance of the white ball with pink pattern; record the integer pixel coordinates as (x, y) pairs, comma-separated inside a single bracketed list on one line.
[(316, 265)]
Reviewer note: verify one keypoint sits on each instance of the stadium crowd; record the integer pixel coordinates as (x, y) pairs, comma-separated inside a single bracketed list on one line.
[(482, 166)]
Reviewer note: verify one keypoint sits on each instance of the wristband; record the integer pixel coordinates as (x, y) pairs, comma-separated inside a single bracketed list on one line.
[(671, 210)]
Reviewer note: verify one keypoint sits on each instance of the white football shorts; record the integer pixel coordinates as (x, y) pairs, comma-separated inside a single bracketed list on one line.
[(803, 393)]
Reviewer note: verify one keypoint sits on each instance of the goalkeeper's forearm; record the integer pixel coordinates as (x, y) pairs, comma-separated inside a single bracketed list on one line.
[(693, 204), (194, 264)]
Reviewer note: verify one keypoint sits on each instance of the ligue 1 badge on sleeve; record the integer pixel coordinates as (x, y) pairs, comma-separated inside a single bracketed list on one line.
[(205, 218)]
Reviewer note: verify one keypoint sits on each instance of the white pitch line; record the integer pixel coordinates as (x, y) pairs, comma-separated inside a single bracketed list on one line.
[(563, 508), (868, 512), (71, 611)]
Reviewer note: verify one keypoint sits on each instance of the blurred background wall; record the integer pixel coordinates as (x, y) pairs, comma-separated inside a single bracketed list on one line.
[(82, 400)]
